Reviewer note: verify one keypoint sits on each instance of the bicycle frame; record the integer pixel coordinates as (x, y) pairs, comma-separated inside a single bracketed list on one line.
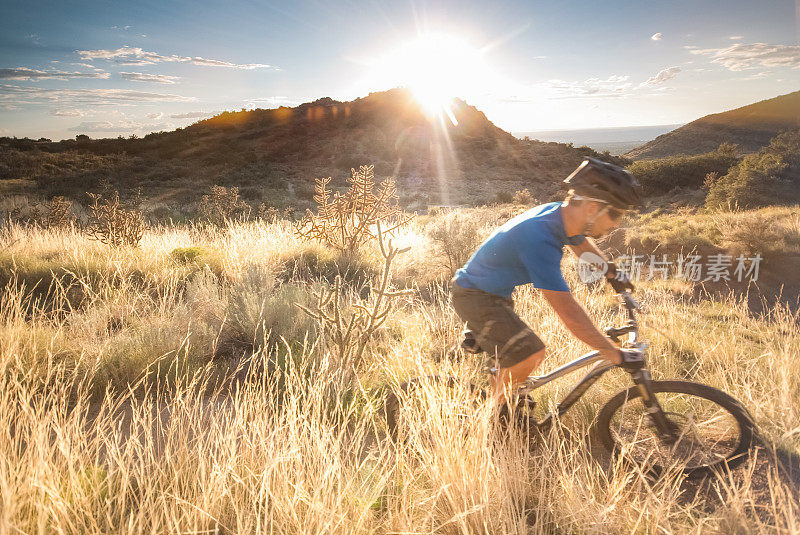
[(636, 367), (578, 390)]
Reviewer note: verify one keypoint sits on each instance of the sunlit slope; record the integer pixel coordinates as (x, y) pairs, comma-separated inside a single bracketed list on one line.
[(455, 156), (751, 127)]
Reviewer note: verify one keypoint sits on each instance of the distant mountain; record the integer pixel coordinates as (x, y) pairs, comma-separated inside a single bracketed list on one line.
[(616, 140), (751, 127), (274, 155)]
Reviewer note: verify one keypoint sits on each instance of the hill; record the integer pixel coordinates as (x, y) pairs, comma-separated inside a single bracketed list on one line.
[(274, 155), (751, 127)]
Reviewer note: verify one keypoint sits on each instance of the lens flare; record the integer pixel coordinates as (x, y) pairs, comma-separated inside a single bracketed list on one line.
[(436, 68)]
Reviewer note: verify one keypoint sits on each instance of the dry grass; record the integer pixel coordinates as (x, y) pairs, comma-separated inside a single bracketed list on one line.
[(772, 230), (295, 447)]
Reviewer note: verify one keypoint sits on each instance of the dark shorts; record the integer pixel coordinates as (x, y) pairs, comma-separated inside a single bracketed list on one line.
[(495, 325)]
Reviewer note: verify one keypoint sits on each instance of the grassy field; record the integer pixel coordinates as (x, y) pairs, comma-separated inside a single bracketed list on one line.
[(176, 387)]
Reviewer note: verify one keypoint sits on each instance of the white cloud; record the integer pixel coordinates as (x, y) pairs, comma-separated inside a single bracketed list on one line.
[(120, 126), (656, 36), (147, 77), (194, 114), (613, 86), (689, 47), (66, 113), (98, 97), (23, 73), (735, 37), (662, 76), (757, 76), (158, 115), (136, 56), (272, 102), (739, 57)]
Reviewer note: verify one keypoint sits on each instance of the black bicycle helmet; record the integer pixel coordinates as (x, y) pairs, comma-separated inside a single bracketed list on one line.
[(605, 182)]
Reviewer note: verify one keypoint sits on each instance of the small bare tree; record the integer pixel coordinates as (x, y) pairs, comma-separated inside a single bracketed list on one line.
[(271, 214), (57, 213), (223, 204), (112, 224), (345, 222), (350, 332)]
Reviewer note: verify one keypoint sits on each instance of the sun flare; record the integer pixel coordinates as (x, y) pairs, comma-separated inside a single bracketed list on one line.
[(436, 68)]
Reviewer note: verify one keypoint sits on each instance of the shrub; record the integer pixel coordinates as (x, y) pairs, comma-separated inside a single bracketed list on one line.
[(750, 233), (112, 224), (262, 310), (523, 197), (187, 255), (503, 197), (346, 222), (458, 236), (58, 212), (664, 174), (271, 214), (20, 209), (223, 204), (759, 178)]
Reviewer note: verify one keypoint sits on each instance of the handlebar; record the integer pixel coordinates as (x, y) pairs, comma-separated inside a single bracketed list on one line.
[(631, 327)]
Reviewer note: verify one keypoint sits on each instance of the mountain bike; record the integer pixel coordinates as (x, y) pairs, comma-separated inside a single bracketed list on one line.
[(657, 425)]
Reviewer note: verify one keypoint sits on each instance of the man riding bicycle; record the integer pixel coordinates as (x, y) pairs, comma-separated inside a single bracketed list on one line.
[(528, 250)]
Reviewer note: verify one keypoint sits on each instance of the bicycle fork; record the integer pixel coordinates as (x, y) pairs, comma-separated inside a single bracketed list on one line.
[(643, 381)]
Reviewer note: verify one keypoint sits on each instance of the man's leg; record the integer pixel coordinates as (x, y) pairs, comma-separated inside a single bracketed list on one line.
[(507, 379)]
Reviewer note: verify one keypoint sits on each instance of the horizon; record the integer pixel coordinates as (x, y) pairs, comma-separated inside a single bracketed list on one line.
[(106, 71)]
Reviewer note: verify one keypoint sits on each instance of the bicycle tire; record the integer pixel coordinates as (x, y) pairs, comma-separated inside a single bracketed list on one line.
[(623, 437), (394, 401)]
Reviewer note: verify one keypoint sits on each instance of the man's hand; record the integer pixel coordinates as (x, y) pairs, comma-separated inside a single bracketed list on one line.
[(614, 356)]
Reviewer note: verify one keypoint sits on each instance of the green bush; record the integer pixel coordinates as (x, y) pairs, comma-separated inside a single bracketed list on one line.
[(746, 185), (767, 177), (187, 255), (503, 197), (664, 174)]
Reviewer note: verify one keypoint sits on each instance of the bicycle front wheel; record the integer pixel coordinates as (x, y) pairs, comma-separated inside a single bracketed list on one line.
[(709, 429)]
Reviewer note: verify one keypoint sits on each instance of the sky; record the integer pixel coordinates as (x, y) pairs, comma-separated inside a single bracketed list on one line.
[(105, 68)]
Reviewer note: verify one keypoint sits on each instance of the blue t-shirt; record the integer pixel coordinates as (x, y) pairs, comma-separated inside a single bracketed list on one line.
[(526, 250)]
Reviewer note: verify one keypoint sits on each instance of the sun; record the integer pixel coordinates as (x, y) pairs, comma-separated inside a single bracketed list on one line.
[(436, 68)]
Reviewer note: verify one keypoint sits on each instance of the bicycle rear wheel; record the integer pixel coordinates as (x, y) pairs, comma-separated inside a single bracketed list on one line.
[(710, 429), (425, 406)]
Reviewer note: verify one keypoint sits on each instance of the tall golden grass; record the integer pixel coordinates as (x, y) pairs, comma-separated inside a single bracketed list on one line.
[(144, 407)]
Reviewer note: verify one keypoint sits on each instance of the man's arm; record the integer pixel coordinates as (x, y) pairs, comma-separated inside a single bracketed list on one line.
[(579, 324)]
